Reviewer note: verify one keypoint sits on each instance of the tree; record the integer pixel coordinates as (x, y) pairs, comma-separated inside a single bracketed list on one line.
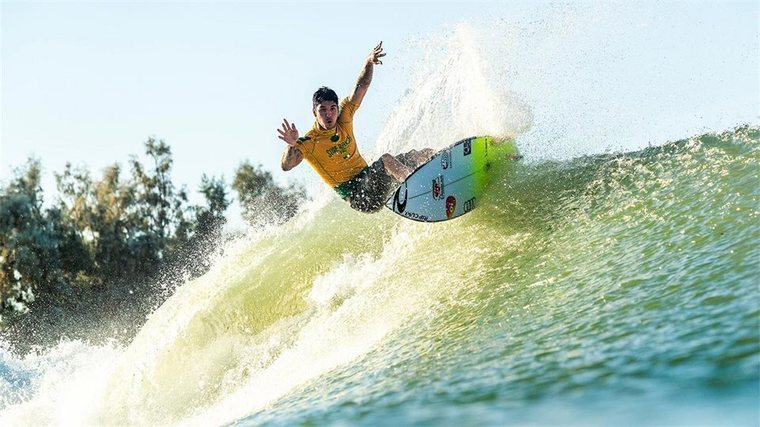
[(121, 230), (160, 219), (209, 225), (28, 244), (210, 219), (262, 200), (73, 219)]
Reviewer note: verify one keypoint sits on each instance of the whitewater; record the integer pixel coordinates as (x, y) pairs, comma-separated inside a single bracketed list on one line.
[(597, 288)]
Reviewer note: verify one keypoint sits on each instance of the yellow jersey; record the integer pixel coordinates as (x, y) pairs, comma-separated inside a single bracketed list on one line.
[(333, 153)]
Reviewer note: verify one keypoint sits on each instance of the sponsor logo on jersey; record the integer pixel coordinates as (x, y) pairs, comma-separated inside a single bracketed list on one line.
[(341, 149), (451, 205)]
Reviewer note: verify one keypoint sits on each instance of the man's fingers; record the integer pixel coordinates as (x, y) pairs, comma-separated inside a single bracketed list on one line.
[(288, 132), (377, 51)]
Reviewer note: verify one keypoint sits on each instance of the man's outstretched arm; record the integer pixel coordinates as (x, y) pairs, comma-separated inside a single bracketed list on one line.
[(365, 76), (292, 156)]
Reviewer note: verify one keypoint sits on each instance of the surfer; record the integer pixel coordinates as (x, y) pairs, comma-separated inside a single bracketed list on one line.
[(330, 147)]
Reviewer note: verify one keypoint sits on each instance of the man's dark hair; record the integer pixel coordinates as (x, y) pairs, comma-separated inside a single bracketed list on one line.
[(323, 94)]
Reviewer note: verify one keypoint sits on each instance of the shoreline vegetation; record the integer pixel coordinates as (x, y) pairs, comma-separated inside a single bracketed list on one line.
[(96, 261)]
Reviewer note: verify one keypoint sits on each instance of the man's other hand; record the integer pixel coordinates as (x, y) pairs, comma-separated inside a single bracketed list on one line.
[(288, 133)]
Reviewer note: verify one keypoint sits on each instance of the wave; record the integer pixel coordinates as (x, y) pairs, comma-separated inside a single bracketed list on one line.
[(598, 275)]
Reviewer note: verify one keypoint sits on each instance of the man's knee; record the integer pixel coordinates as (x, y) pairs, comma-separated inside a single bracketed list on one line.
[(395, 168), (392, 163)]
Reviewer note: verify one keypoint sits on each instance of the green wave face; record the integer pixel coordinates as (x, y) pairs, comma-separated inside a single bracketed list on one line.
[(623, 286)]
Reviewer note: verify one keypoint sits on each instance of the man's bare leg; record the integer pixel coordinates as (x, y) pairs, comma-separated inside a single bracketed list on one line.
[(395, 168), (414, 158)]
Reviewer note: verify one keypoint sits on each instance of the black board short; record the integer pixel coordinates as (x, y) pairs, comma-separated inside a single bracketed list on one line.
[(369, 189)]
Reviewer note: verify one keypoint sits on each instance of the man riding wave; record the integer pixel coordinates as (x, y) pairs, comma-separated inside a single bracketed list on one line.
[(330, 147)]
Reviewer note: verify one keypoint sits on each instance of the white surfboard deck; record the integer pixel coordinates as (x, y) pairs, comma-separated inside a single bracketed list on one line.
[(451, 182)]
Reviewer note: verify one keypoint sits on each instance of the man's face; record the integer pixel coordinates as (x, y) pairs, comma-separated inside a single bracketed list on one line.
[(326, 113)]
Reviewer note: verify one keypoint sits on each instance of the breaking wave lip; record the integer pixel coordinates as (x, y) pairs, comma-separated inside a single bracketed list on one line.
[(458, 90)]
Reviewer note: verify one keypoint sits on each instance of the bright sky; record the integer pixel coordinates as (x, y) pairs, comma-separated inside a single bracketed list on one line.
[(88, 82)]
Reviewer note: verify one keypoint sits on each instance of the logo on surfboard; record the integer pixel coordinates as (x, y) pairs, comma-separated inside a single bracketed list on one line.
[(467, 147), (398, 205), (469, 205), (437, 189), (446, 159), (451, 205)]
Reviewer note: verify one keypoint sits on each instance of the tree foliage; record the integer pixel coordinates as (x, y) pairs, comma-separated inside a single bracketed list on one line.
[(28, 244), (123, 227)]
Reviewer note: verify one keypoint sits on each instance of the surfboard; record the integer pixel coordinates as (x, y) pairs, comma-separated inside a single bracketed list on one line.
[(450, 184)]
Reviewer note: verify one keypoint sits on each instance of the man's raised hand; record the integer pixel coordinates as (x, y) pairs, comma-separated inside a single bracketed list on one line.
[(288, 133), (376, 54)]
